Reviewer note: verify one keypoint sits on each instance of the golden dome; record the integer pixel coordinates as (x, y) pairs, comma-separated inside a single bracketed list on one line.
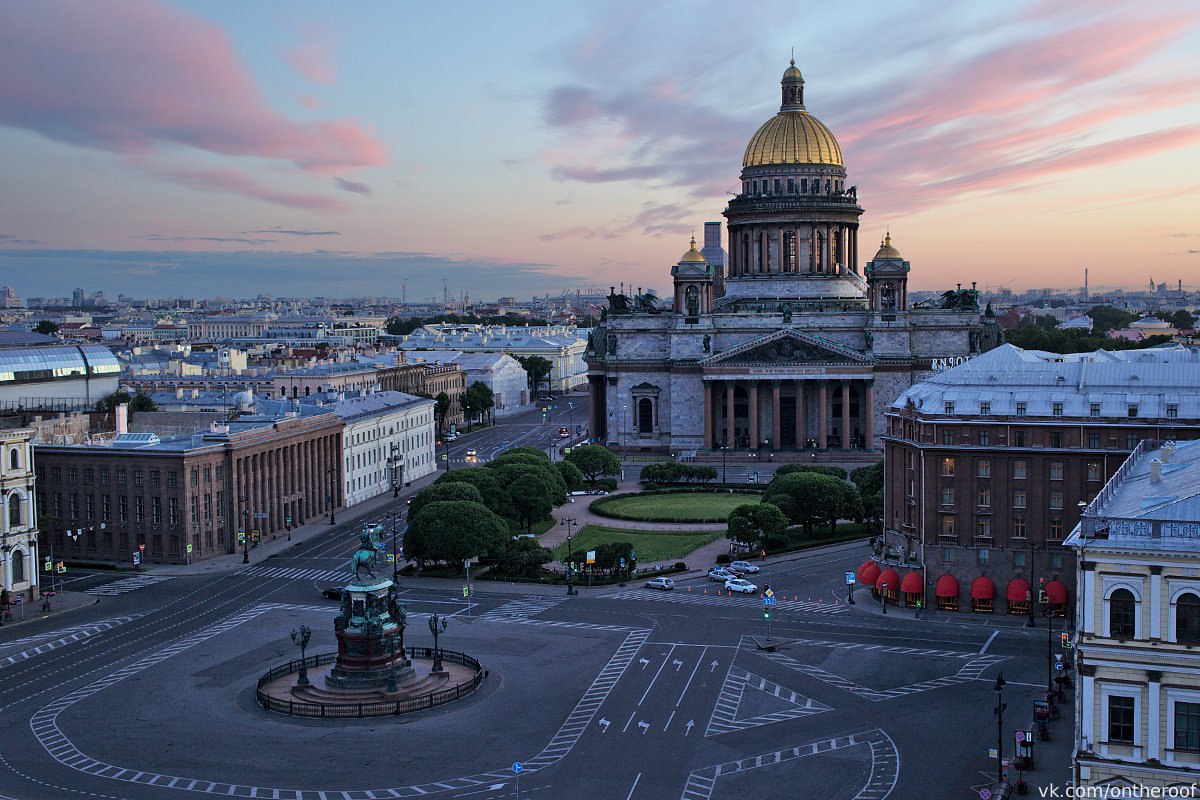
[(693, 255), (792, 137), (886, 250), (792, 71)]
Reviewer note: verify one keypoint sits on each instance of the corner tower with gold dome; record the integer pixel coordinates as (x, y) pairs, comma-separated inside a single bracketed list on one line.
[(793, 230), (799, 347)]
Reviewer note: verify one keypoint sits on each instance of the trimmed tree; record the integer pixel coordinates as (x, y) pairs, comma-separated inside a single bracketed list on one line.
[(531, 498), (453, 531), (570, 473), (483, 400), (753, 523), (594, 461), (483, 479), (441, 409), (537, 368), (46, 327), (441, 492), (809, 498), (142, 402)]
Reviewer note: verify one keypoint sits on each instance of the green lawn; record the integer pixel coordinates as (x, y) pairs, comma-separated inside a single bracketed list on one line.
[(682, 507), (650, 546)]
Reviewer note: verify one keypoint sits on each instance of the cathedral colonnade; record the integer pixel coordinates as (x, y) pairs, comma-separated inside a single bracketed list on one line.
[(788, 413)]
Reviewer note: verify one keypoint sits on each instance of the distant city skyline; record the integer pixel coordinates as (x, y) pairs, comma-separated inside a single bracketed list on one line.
[(206, 149)]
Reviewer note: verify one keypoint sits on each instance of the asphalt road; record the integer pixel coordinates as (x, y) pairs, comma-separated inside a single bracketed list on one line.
[(623, 693)]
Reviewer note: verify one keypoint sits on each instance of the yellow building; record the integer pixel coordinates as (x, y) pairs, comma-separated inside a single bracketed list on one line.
[(1138, 625)]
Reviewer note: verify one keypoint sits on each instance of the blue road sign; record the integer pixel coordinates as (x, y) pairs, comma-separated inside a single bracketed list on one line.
[(1059, 665), (985, 794), (517, 767), (769, 600), (850, 578)]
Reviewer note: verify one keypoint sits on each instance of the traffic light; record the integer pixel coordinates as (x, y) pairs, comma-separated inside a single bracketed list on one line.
[(1066, 640), (1042, 591), (766, 614)]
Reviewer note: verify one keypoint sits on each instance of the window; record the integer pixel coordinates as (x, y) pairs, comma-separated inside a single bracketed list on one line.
[(983, 528), (122, 480), (18, 566), (14, 512), (1056, 500), (104, 474), (948, 467), (72, 475), (172, 479), (218, 472), (1187, 618), (74, 506), (1172, 412), (1018, 438), (985, 438), (984, 557), (985, 409), (1131, 410), (1094, 410), (1056, 529), (122, 508), (138, 477), (947, 437), (1131, 441), (1056, 409), (208, 473), (1093, 471), (1120, 719), (1056, 470), (983, 468), (1056, 558), (947, 495), (947, 555), (948, 525), (1021, 409), (89, 475), (1019, 498), (1094, 441), (195, 477), (1020, 468), (1187, 726), (984, 498), (154, 477), (173, 510), (1018, 559), (156, 510), (106, 507), (56, 473), (949, 407), (1122, 610), (89, 507), (1018, 529), (1056, 439)]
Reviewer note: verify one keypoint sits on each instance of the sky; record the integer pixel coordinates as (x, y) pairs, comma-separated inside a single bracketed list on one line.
[(176, 147)]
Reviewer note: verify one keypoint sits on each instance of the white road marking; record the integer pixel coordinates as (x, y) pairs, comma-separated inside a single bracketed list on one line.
[(983, 649), (656, 674)]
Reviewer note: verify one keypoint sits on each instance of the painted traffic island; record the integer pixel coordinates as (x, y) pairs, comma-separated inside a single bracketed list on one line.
[(372, 673)]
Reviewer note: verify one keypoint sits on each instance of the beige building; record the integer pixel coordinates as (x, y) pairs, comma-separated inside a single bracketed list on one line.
[(1138, 625), (18, 517)]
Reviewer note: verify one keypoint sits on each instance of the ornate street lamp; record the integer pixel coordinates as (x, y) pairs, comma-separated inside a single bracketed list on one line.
[(569, 523), (393, 639), (999, 712), (437, 626), (301, 638), (883, 597), (332, 496)]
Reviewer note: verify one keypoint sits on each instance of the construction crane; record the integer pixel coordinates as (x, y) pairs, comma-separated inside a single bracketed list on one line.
[(987, 287)]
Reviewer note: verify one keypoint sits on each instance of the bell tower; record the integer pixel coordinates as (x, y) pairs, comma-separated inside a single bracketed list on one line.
[(887, 279), (693, 281)]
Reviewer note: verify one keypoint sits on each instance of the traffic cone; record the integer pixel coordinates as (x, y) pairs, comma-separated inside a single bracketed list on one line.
[(689, 590), (706, 591)]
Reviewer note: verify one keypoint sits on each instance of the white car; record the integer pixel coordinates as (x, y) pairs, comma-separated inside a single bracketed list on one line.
[(743, 566), (660, 583), (740, 585), (471, 453), (720, 574)]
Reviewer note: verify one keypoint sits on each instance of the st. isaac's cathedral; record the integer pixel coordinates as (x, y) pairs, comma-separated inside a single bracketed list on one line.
[(798, 345)]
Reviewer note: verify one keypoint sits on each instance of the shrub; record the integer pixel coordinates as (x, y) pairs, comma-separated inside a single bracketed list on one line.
[(723, 558), (820, 469), (777, 541), (682, 567), (607, 484)]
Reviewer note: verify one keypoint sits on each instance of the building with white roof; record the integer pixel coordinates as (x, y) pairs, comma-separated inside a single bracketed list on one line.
[(987, 464), (502, 373), (1137, 720), (562, 346)]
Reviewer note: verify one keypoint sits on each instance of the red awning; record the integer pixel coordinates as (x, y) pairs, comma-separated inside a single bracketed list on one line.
[(1056, 591), (891, 578), (982, 588), (912, 583), (1018, 590), (947, 586), (867, 573)]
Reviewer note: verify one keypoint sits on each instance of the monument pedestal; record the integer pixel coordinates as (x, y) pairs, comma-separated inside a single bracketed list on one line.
[(369, 615)]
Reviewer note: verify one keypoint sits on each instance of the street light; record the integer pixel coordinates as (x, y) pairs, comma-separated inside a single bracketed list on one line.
[(569, 523), (396, 462), (395, 563), (883, 598), (999, 712), (301, 638), (724, 473), (332, 495), (242, 501)]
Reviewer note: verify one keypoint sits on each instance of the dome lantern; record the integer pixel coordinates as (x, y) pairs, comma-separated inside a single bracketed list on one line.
[(793, 89)]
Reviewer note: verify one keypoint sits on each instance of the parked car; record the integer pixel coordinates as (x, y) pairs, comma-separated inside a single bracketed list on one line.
[(660, 583), (332, 593), (740, 585), (743, 566), (721, 574)]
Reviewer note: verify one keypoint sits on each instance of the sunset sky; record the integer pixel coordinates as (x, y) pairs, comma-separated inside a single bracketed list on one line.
[(319, 148)]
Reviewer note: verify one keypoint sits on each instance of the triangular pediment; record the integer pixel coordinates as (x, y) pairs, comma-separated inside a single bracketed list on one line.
[(789, 347)]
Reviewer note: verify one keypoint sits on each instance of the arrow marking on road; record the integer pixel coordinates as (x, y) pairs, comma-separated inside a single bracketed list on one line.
[(645, 726), (712, 667), (690, 724), (604, 724), (678, 664), (644, 662)]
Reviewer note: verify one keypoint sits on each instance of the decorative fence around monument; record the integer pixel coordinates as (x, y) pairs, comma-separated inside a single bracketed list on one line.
[(384, 708)]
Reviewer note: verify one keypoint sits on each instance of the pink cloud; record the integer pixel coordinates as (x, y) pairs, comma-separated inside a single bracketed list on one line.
[(313, 62), (232, 181), (137, 77)]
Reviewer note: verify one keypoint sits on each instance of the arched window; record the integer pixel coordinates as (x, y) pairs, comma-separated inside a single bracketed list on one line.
[(1122, 614), (18, 567), (1187, 618), (14, 459), (646, 416), (14, 510), (790, 256), (693, 301)]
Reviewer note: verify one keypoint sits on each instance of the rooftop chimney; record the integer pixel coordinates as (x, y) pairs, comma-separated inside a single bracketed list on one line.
[(123, 418), (1155, 470)]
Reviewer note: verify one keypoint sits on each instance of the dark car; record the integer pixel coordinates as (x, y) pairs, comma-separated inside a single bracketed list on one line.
[(332, 593)]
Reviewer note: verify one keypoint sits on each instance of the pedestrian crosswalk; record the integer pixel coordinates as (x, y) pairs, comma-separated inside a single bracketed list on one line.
[(126, 585), (810, 606), (336, 577), (525, 607)]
